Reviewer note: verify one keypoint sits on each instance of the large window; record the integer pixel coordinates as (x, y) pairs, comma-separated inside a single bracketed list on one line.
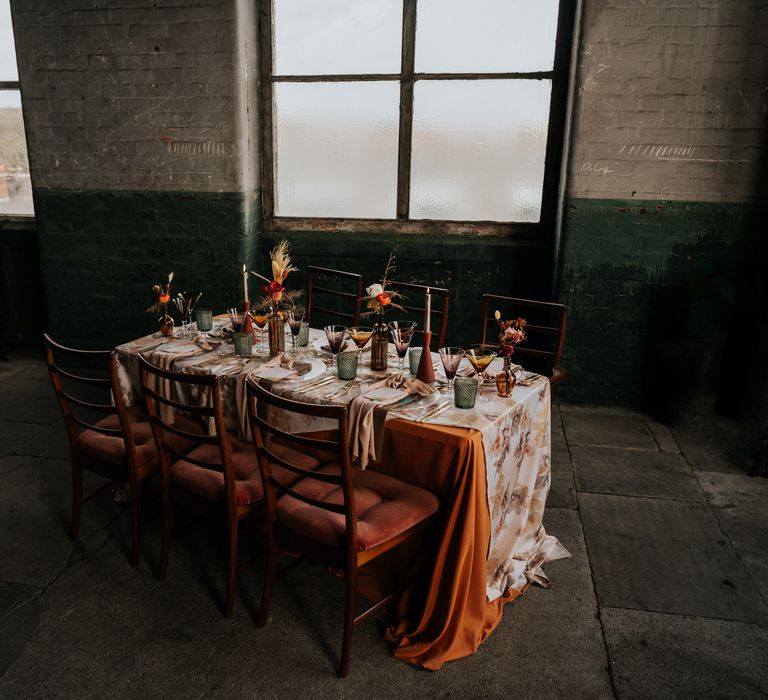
[(15, 186), (412, 114)]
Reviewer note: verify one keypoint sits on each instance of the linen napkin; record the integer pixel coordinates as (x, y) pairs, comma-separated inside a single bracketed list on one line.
[(277, 368), (366, 423)]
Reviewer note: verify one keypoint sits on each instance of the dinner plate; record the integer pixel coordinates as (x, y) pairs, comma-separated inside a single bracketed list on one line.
[(466, 369), (321, 345), (318, 367)]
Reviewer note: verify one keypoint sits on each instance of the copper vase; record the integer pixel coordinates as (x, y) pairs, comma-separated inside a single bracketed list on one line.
[(505, 380), (379, 346), (276, 328), (166, 323)]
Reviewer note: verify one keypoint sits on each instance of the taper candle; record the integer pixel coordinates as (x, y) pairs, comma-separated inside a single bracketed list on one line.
[(427, 311), (245, 282)]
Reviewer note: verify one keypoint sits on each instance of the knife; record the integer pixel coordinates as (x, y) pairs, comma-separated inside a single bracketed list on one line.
[(434, 412)]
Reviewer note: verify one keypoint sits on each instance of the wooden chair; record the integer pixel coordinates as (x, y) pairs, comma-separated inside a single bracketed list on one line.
[(336, 515), (542, 350), (413, 302), (218, 477), (118, 446), (345, 296)]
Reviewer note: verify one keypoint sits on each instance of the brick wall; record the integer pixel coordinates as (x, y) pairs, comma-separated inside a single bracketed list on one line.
[(666, 156), (139, 122)]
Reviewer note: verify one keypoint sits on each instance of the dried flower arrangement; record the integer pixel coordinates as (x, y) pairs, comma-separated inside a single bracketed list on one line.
[(379, 297), (512, 333), (274, 291)]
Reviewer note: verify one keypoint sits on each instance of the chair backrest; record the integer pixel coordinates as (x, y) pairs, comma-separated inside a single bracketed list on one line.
[(87, 389), (545, 329), (340, 293), (165, 393), (261, 405), (413, 301)]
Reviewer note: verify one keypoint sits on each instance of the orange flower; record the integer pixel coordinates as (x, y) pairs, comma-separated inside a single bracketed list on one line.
[(384, 299), (164, 298)]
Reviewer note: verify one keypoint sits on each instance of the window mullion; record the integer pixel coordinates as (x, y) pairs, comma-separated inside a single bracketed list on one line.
[(406, 109)]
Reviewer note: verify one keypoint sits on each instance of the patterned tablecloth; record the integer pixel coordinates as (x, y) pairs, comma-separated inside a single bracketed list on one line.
[(515, 433)]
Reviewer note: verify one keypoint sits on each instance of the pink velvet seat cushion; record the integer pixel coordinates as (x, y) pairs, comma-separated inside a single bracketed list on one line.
[(108, 448), (248, 488), (385, 507)]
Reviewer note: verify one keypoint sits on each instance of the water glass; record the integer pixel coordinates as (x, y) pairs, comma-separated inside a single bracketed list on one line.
[(414, 357), (346, 364), (465, 391), (204, 319), (243, 343), (302, 340)]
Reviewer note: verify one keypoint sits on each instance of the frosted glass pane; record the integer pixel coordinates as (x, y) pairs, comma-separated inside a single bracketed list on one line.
[(336, 149), (325, 37), (7, 52), (485, 36), (15, 185), (478, 149)]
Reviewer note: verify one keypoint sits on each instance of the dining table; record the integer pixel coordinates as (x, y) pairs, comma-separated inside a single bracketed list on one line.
[(489, 465)]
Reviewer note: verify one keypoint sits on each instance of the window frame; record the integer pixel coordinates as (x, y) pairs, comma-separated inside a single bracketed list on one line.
[(407, 77)]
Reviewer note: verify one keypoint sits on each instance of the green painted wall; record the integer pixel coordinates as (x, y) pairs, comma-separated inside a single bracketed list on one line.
[(101, 251), (650, 287), (467, 266)]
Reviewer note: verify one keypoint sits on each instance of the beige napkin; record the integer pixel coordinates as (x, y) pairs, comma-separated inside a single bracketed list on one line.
[(366, 424), (298, 365)]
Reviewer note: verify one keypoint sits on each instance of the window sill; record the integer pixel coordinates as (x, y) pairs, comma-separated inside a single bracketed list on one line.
[(17, 222)]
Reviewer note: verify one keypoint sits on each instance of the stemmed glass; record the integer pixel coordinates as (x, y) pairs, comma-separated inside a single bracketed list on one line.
[(260, 318), (451, 359), (185, 303), (360, 336), (480, 356), (295, 317), (335, 335), (402, 334)]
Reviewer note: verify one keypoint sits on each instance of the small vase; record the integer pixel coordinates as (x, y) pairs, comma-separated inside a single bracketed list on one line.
[(379, 345), (505, 380), (166, 324), (276, 328)]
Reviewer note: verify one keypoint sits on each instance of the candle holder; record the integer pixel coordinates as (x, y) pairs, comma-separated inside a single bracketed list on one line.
[(426, 372)]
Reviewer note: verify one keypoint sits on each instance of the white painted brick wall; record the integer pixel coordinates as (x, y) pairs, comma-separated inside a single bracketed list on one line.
[(131, 94), (672, 100)]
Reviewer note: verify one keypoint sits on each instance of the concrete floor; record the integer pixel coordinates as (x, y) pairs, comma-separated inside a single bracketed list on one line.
[(664, 597)]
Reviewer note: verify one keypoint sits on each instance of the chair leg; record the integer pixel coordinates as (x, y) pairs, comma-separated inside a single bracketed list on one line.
[(135, 521), (349, 621), (165, 547), (229, 606), (77, 499), (270, 575)]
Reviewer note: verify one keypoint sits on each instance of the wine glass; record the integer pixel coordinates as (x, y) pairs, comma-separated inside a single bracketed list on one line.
[(480, 356), (183, 302), (335, 335), (295, 317), (402, 334), (260, 318), (451, 359), (360, 336)]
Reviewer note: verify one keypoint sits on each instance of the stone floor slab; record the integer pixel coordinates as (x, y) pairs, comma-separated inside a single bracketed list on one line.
[(670, 656), (741, 503), (664, 437), (35, 501), (587, 425), (634, 473), (666, 556), (562, 491), (706, 456)]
